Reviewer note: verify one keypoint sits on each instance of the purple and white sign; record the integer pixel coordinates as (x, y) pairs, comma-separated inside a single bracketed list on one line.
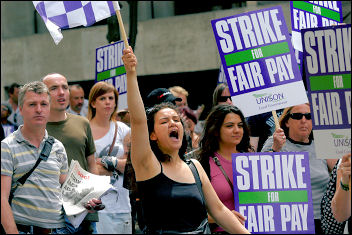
[(273, 191), (110, 68), (259, 63), (327, 56), (313, 14)]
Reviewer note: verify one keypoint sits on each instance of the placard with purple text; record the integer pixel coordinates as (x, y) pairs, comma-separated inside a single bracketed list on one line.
[(110, 68), (312, 14), (327, 56), (259, 62), (273, 192)]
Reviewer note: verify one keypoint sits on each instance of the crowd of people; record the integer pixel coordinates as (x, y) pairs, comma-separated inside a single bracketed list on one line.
[(182, 177)]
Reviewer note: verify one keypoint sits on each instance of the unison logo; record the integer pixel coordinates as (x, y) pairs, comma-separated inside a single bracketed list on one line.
[(267, 97), (341, 140)]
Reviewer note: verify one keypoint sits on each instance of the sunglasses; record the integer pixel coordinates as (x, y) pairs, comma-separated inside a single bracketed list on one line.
[(224, 98), (299, 116)]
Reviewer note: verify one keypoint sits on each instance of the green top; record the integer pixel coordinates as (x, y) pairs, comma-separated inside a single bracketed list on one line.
[(75, 134)]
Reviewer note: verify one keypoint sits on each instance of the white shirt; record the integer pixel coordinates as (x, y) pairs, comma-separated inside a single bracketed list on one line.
[(114, 203)]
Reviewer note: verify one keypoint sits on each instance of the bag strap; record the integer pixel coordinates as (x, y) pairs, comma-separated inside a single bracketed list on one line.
[(196, 177), (217, 162), (113, 141), (44, 154)]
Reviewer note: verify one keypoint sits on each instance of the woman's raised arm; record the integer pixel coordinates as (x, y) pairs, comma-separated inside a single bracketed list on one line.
[(142, 156)]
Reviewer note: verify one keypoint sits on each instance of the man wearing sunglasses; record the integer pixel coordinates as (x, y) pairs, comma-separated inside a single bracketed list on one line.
[(295, 135)]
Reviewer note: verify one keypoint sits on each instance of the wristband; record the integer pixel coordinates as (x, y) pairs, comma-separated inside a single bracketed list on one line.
[(271, 150), (345, 187)]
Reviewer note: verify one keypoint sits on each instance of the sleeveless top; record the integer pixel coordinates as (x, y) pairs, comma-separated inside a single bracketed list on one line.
[(170, 205)]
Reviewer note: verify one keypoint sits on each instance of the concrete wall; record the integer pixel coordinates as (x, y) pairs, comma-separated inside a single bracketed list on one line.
[(164, 45)]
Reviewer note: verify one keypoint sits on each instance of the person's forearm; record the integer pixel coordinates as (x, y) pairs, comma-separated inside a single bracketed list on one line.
[(121, 165), (341, 204), (92, 166), (229, 222), (134, 99), (211, 220), (7, 220)]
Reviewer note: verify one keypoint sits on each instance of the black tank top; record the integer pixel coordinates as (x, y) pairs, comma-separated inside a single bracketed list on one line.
[(170, 205)]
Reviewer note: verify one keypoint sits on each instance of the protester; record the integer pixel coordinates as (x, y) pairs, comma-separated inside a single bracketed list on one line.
[(225, 132), (295, 135), (123, 116), (7, 126), (181, 93), (108, 137), (160, 95), (15, 117), (221, 95), (336, 202), (190, 121), (77, 101), (37, 205), (75, 133), (170, 198)]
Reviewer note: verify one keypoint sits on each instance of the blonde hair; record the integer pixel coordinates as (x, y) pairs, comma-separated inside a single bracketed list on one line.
[(178, 90)]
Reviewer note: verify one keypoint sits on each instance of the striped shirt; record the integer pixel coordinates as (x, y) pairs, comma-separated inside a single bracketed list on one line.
[(39, 201)]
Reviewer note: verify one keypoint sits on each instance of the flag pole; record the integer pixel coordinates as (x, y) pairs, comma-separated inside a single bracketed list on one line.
[(122, 28)]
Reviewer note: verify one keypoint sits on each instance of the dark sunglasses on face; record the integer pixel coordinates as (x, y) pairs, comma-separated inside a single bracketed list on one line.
[(299, 116), (224, 98)]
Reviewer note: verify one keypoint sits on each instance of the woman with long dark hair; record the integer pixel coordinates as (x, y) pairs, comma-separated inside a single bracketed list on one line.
[(225, 132)]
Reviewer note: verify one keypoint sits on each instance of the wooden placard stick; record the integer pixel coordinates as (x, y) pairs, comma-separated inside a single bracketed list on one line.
[(277, 124)]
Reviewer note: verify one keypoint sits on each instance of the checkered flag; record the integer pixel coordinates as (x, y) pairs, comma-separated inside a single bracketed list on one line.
[(59, 15)]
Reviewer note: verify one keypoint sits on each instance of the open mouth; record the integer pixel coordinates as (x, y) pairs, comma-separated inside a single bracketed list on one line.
[(174, 134)]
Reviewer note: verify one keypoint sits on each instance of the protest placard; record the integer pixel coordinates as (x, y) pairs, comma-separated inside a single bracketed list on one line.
[(259, 63), (273, 192), (312, 14), (110, 68), (327, 56)]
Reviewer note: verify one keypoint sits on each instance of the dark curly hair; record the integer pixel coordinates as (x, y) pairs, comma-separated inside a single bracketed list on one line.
[(150, 112), (209, 143)]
